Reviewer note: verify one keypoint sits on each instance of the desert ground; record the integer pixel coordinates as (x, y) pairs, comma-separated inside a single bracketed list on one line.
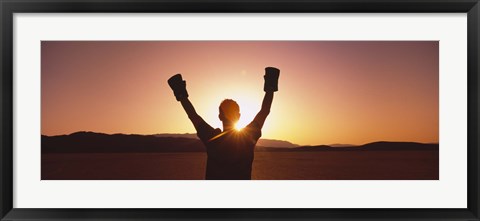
[(314, 165)]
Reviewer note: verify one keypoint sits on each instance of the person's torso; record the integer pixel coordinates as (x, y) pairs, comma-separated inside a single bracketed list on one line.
[(230, 155)]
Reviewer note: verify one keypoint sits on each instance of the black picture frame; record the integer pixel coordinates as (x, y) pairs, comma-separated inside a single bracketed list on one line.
[(9, 7)]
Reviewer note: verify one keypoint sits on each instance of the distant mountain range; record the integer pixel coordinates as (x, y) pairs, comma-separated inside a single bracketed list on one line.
[(261, 142), (378, 146), (91, 142)]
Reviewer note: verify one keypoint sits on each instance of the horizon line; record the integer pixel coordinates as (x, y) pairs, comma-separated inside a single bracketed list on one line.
[(336, 143)]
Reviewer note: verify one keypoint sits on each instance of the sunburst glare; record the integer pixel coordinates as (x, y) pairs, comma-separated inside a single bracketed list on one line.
[(238, 127)]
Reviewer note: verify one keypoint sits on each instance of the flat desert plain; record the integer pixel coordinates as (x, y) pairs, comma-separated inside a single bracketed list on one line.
[(305, 165)]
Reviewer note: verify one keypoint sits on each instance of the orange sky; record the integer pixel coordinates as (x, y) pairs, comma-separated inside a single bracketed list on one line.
[(329, 91)]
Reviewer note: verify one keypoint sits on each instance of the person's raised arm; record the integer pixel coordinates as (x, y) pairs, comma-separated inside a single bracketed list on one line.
[(270, 86), (190, 110), (179, 88)]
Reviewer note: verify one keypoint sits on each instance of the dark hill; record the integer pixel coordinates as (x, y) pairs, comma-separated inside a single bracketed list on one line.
[(384, 145), (90, 142), (102, 143), (261, 142), (377, 146)]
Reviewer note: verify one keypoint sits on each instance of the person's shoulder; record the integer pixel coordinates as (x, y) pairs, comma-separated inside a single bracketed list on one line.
[(206, 132), (253, 129), (217, 131), (253, 125)]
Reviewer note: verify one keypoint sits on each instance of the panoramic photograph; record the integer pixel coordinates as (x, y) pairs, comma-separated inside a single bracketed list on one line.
[(239, 110)]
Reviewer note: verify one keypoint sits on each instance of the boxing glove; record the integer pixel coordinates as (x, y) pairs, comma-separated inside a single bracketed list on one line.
[(271, 79), (179, 86)]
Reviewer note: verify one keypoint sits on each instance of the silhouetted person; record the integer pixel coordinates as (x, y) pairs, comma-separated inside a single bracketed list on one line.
[(229, 152)]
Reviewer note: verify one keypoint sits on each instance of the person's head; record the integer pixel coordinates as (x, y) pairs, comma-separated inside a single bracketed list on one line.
[(229, 111)]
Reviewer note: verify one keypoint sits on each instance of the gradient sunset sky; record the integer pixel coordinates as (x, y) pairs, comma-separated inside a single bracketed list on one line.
[(329, 91)]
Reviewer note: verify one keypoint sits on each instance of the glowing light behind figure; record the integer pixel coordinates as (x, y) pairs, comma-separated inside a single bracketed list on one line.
[(329, 91)]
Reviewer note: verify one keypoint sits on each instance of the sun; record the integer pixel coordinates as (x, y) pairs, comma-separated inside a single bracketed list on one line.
[(248, 110), (249, 107), (238, 127)]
